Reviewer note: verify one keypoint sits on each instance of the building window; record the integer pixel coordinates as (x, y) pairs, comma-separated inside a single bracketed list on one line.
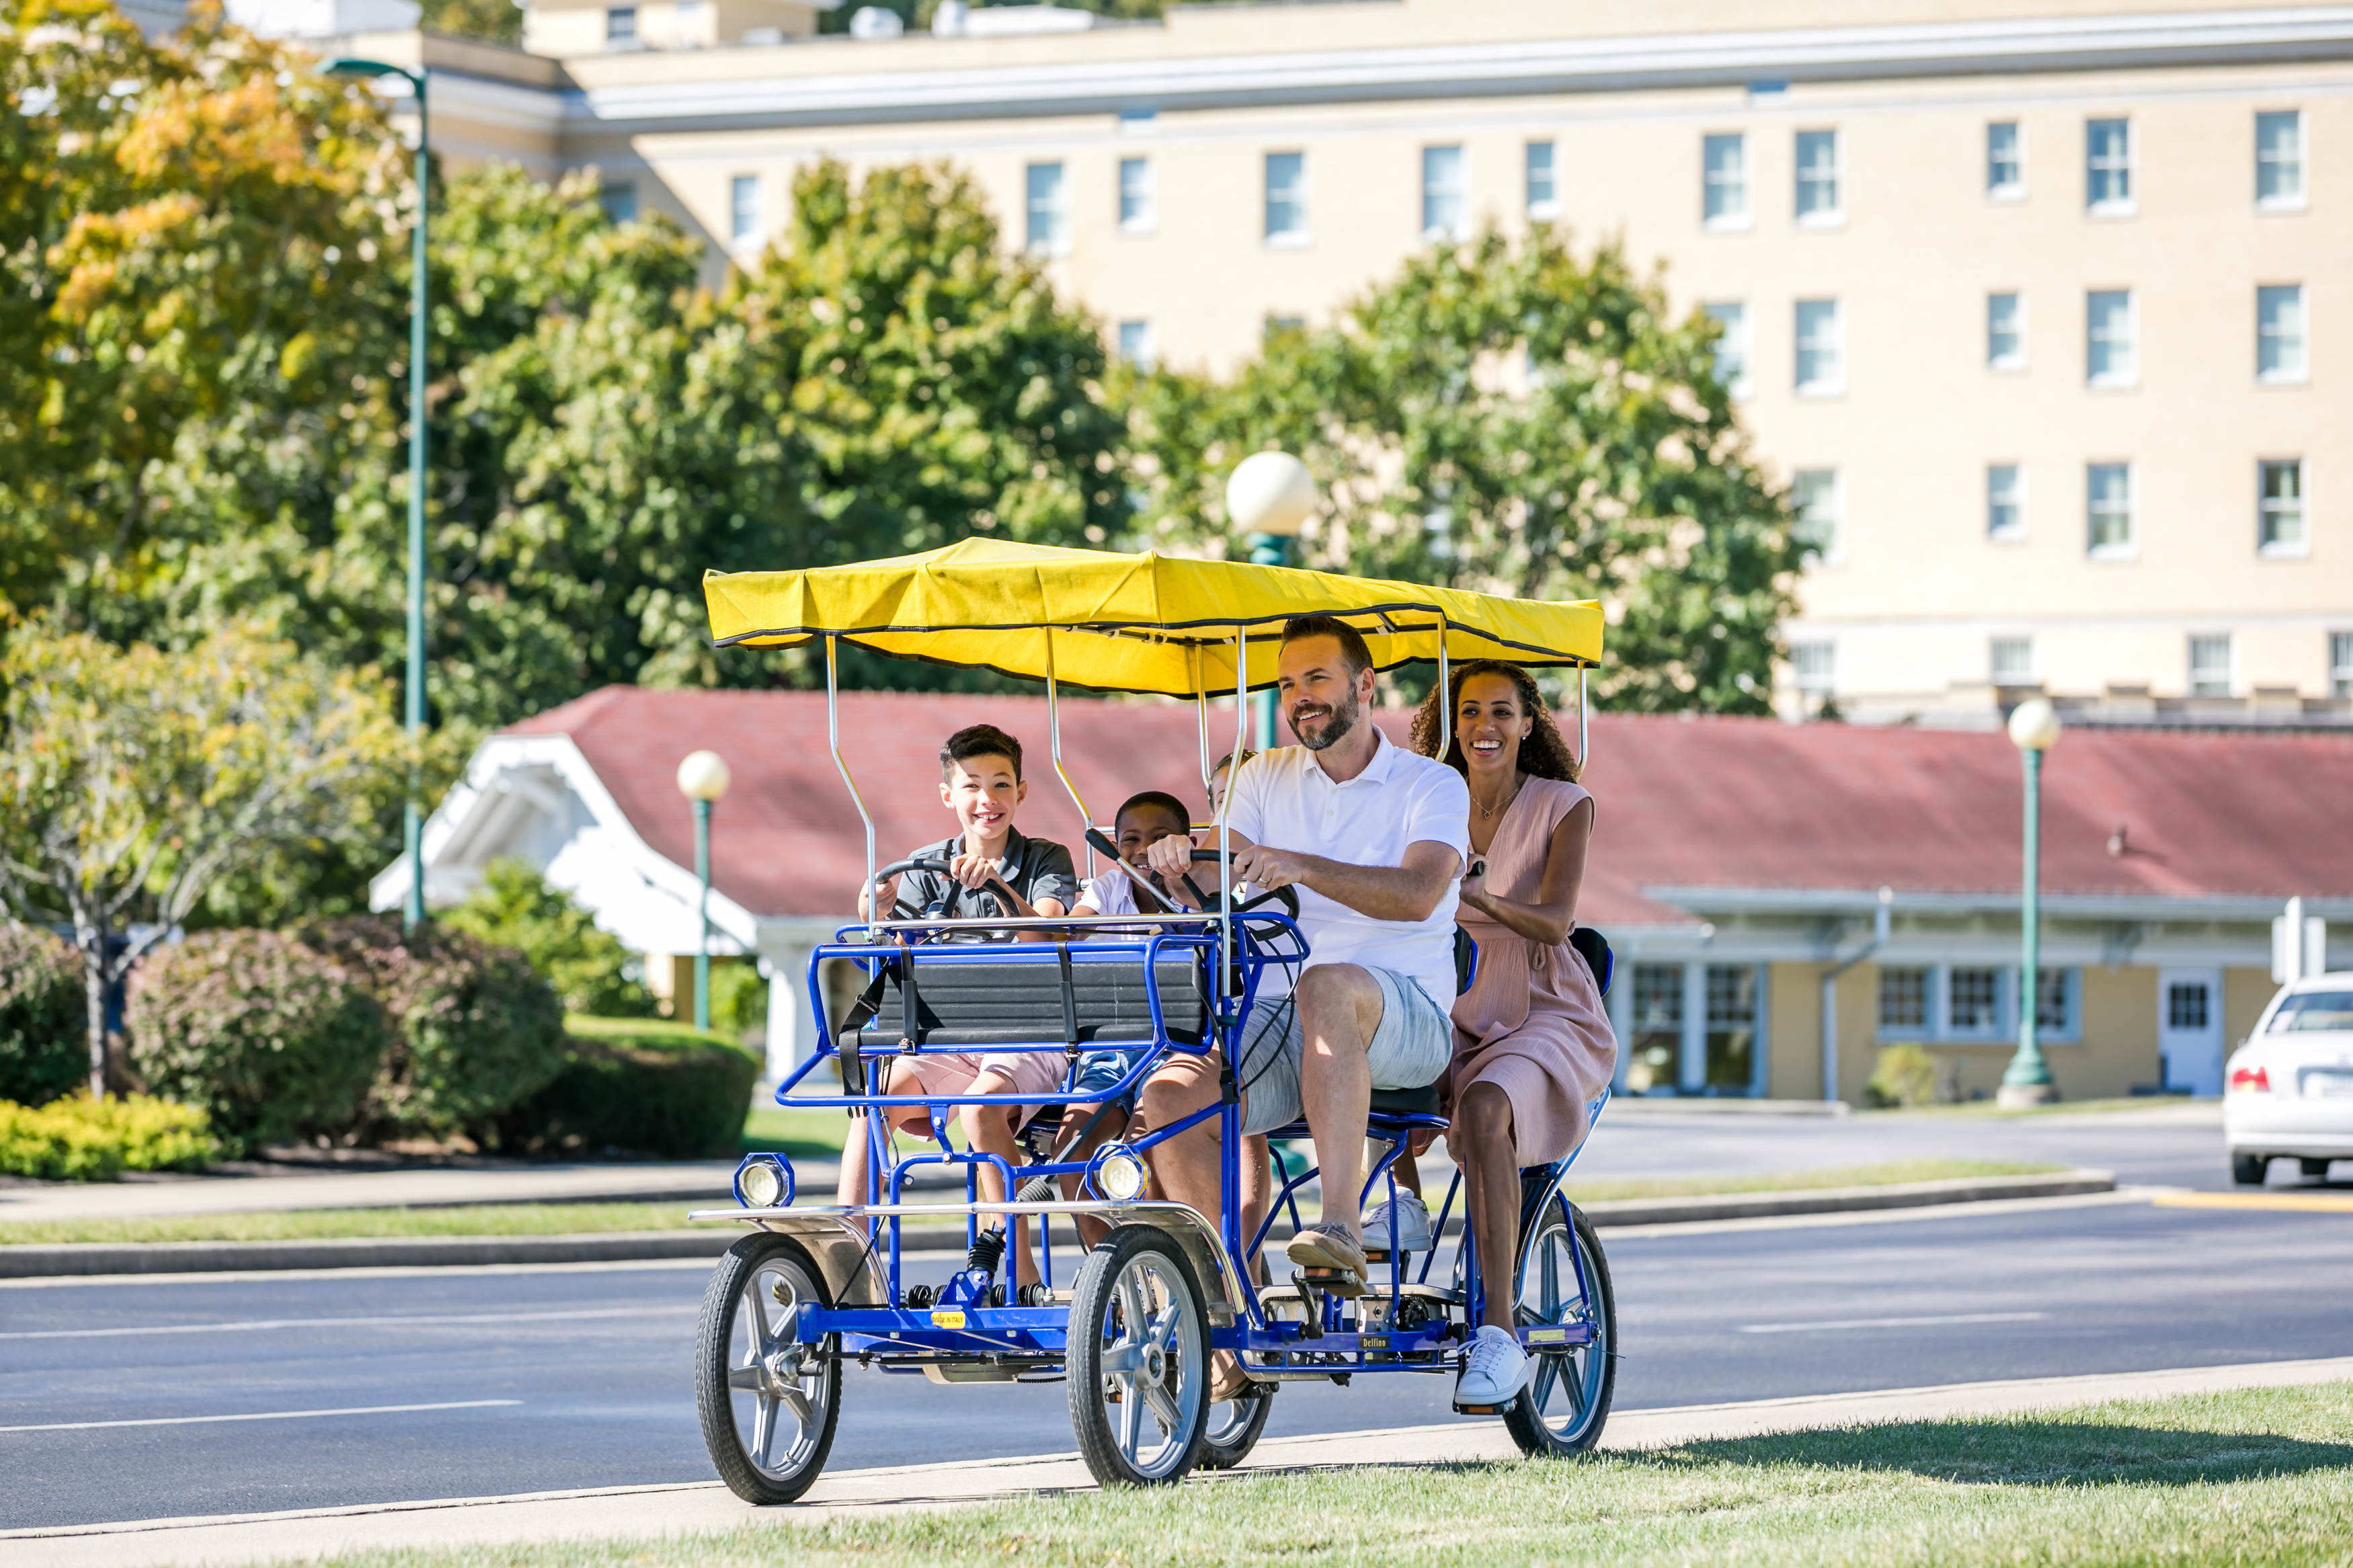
[(1135, 211), (621, 25), (1821, 358), (2341, 664), (619, 200), (2107, 165), (1814, 501), (1652, 1066), (1814, 667), (1732, 1058), (2209, 665), (2108, 357), (1136, 344), (1048, 226), (1972, 1001), (2009, 661), (1903, 1001), (2279, 332), (1286, 199), (2005, 174), (2054, 1004), (2279, 525), (1543, 181), (743, 209), (1731, 318), (2005, 502), (2107, 489), (1817, 177), (1724, 194), (2005, 332), (1443, 199), (2186, 1007), (2279, 158)]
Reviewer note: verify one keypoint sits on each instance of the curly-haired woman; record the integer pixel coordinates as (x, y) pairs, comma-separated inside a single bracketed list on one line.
[(1532, 1044)]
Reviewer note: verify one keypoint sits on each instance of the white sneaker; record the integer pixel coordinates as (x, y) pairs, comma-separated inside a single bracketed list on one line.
[(1494, 1370), (1412, 1225)]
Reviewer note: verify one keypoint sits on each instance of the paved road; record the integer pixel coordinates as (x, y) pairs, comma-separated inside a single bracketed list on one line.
[(554, 1379)]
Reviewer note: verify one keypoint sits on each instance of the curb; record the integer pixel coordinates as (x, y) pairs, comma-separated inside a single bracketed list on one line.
[(1709, 1105), (71, 1259)]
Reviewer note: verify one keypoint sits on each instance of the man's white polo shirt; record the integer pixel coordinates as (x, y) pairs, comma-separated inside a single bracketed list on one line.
[(1285, 800)]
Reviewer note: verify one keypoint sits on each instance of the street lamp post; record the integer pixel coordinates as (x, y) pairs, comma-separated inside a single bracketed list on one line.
[(2033, 730), (703, 778), (412, 828), (1268, 498)]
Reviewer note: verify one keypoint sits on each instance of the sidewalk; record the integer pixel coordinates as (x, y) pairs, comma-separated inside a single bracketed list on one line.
[(670, 1509), (696, 1182)]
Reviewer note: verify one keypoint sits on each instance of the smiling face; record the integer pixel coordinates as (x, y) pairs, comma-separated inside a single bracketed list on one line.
[(1490, 723), (1140, 828), (983, 791), (1321, 700)]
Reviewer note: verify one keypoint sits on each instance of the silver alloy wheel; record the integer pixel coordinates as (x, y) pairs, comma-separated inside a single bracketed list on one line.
[(1138, 1360), (1569, 1391), (776, 1386)]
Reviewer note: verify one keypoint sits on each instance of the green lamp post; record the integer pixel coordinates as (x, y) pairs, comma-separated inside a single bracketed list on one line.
[(1269, 497), (703, 778), (2033, 730), (412, 831)]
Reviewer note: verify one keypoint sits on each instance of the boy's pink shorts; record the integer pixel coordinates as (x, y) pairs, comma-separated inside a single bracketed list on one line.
[(950, 1075)]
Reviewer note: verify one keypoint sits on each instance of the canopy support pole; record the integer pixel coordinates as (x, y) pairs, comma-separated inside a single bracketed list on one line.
[(1201, 712), (833, 740), (1583, 734), (1445, 702), (1054, 746), (1225, 846)]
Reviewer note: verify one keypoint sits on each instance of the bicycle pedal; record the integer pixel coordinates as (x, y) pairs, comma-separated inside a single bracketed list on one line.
[(1341, 1282)]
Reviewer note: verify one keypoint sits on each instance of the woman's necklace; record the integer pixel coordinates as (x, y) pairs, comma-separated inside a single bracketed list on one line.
[(1503, 802)]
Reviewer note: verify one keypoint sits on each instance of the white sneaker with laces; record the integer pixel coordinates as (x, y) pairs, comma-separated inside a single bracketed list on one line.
[(1412, 1222), (1495, 1369)]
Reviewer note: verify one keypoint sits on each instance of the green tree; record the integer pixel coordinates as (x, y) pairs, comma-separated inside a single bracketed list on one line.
[(515, 906), (493, 21), (131, 779), (1518, 420)]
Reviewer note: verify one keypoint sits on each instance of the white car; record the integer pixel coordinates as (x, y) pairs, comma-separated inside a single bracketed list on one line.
[(2288, 1091)]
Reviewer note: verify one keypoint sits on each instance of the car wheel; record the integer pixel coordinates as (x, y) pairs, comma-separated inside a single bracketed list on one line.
[(2249, 1170), (2315, 1169)]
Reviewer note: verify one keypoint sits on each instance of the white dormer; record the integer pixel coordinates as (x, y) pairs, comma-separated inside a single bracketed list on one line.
[(568, 30)]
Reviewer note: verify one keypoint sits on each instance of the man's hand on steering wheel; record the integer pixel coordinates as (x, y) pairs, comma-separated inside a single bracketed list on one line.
[(1266, 868)]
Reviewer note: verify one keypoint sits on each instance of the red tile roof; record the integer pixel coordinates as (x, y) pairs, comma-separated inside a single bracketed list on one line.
[(1684, 803)]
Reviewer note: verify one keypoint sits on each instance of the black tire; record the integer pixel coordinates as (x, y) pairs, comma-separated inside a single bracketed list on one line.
[(2314, 1170), (737, 1355), (1234, 1427), (2249, 1170), (1120, 1370), (1567, 1401)]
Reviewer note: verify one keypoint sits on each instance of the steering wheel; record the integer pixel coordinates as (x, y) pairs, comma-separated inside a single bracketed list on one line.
[(898, 867), (1286, 896)]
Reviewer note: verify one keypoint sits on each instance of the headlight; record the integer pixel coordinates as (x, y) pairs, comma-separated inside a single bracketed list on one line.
[(764, 1182), (1118, 1175)]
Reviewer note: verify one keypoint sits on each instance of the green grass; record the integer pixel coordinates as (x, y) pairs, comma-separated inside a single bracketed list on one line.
[(2263, 1475), (801, 1134), (1804, 1181), (1987, 1108)]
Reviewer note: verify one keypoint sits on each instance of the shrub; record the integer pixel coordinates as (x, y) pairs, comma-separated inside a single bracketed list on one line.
[(44, 1017), (77, 1139), (1903, 1074), (644, 1085), (475, 1029), (516, 908), (739, 1001), (274, 1041)]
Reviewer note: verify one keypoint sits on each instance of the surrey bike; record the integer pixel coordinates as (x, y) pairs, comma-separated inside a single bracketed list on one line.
[(815, 1288)]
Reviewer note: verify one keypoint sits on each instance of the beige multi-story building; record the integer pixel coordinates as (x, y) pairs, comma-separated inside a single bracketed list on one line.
[(2032, 303)]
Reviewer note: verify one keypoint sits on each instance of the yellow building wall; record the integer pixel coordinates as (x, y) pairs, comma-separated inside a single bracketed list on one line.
[(2245, 993)]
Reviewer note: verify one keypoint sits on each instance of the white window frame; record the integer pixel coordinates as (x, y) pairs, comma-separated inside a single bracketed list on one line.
[(1729, 219), (1437, 190), (2109, 205), (2015, 532), (2128, 547), (1833, 385), (2110, 378), (2014, 188), (2021, 675), (1734, 346), (1137, 346), (1818, 683), (2003, 986), (2298, 297), (1144, 216), (1834, 214), (2296, 200), (613, 194), (2341, 664), (2265, 510), (2190, 667), (742, 217), (1301, 237), (2008, 989), (1829, 486), (615, 18), (2015, 360), (1046, 216), (1547, 207)]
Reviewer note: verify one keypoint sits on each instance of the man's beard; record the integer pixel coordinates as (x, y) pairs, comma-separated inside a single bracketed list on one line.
[(1337, 722)]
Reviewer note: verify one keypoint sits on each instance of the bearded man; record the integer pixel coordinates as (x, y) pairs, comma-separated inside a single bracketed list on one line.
[(1374, 839)]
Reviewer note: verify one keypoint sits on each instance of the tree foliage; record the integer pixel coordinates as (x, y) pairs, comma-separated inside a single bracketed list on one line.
[(1518, 420), (516, 908)]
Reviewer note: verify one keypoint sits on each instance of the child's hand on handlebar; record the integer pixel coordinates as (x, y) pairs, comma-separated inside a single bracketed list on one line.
[(1171, 857), (973, 872)]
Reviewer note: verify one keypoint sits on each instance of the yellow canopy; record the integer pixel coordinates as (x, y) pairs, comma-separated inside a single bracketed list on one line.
[(1123, 623)]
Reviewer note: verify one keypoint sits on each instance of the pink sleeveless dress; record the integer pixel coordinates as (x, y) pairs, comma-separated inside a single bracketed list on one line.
[(1533, 1023)]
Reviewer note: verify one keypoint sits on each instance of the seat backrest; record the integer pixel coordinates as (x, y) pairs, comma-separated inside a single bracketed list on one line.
[(1019, 996), (1595, 949)]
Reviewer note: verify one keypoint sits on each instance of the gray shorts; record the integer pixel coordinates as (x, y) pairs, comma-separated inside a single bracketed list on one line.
[(1411, 1048)]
